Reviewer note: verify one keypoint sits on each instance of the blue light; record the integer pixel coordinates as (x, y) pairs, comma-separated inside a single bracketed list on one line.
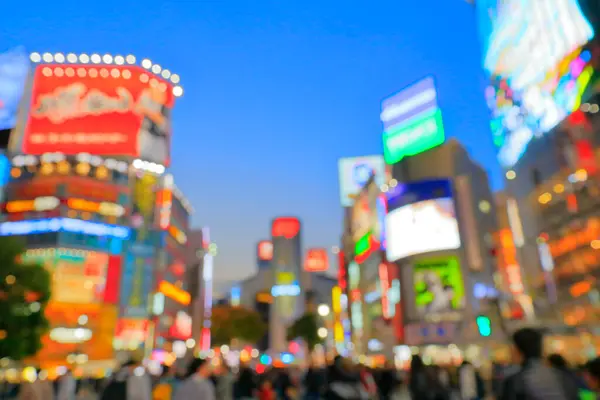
[(287, 358), (285, 290), (265, 359), (17, 228)]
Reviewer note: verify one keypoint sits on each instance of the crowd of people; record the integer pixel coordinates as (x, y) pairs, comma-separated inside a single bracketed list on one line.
[(530, 377)]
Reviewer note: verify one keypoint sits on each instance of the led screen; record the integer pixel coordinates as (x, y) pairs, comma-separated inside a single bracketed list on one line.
[(438, 286), (105, 110), (539, 67), (355, 172), (412, 121), (14, 68), (422, 227)]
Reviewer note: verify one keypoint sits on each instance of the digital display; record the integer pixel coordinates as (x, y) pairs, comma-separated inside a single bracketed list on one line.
[(355, 172), (438, 286), (316, 260), (14, 69), (422, 227), (534, 52), (287, 227), (105, 110), (412, 121), (19, 228)]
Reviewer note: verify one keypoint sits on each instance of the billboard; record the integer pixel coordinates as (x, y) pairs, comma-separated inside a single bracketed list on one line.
[(412, 121), (540, 66), (355, 172), (136, 280), (316, 260), (105, 110), (438, 286), (265, 250), (14, 69), (422, 219)]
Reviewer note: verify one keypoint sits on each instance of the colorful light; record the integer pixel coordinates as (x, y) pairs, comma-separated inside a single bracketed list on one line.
[(173, 292), (287, 227), (63, 225)]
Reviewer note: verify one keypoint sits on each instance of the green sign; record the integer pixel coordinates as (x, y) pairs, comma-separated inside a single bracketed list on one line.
[(414, 137)]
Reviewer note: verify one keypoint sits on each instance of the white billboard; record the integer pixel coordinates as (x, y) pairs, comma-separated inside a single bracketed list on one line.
[(354, 174), (422, 227)]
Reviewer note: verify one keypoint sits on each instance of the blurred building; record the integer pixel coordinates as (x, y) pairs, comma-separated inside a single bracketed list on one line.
[(546, 130), (286, 284), (89, 195)]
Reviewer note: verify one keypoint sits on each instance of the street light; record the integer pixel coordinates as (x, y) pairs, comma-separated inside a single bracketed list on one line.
[(322, 332), (323, 310)]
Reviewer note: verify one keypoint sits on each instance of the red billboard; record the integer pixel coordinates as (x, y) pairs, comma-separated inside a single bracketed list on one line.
[(288, 227), (316, 260), (99, 109)]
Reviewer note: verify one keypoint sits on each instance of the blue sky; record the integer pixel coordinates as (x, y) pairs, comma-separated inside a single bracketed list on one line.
[(275, 93)]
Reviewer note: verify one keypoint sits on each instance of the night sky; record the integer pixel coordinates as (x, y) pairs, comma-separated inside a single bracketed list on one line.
[(275, 93)]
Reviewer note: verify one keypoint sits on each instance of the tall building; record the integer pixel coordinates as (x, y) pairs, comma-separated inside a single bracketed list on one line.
[(89, 195), (546, 126)]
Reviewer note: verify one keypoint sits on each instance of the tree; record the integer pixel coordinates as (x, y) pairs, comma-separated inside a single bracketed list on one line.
[(24, 293), (229, 323), (306, 328)]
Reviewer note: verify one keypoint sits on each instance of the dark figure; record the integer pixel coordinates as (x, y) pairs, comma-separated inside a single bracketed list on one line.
[(535, 381)]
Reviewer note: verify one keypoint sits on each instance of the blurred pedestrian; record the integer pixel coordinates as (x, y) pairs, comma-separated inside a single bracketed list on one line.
[(196, 384), (314, 382), (417, 384), (558, 362), (343, 382), (387, 381), (535, 380), (38, 388), (130, 382), (591, 374), (167, 384), (225, 382), (66, 386), (245, 387), (470, 384), (266, 391)]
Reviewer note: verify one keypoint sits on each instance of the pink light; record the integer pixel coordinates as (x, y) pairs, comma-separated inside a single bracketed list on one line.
[(205, 339)]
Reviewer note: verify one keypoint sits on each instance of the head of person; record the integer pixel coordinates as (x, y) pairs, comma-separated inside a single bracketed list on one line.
[(130, 365), (527, 345), (198, 366), (557, 361), (591, 374), (416, 363)]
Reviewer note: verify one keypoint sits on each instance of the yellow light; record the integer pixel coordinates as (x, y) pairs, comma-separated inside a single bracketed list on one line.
[(20, 206), (63, 167), (510, 175), (82, 168), (338, 332), (46, 168), (174, 293), (595, 244), (581, 175), (15, 173), (102, 172), (336, 294), (559, 188), (545, 198)]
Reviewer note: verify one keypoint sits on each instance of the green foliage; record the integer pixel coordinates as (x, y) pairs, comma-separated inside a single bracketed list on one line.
[(306, 327), (24, 293), (228, 323)]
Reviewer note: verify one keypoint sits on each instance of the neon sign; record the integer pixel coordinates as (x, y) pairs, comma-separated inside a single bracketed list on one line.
[(174, 293), (285, 290), (63, 225), (317, 260), (265, 250), (287, 227)]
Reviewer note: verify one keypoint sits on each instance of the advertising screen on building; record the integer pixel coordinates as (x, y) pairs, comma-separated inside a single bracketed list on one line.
[(412, 121), (539, 59), (355, 172), (265, 250), (316, 260), (14, 68), (105, 110), (421, 218), (438, 286)]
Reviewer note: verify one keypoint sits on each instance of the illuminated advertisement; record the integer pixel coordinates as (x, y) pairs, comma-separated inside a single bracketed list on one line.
[(412, 121), (182, 327), (19, 228), (438, 286), (265, 250), (317, 260), (14, 69), (539, 67), (421, 219), (287, 227), (136, 280), (367, 226), (85, 329), (106, 110), (355, 173), (78, 276), (131, 332)]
